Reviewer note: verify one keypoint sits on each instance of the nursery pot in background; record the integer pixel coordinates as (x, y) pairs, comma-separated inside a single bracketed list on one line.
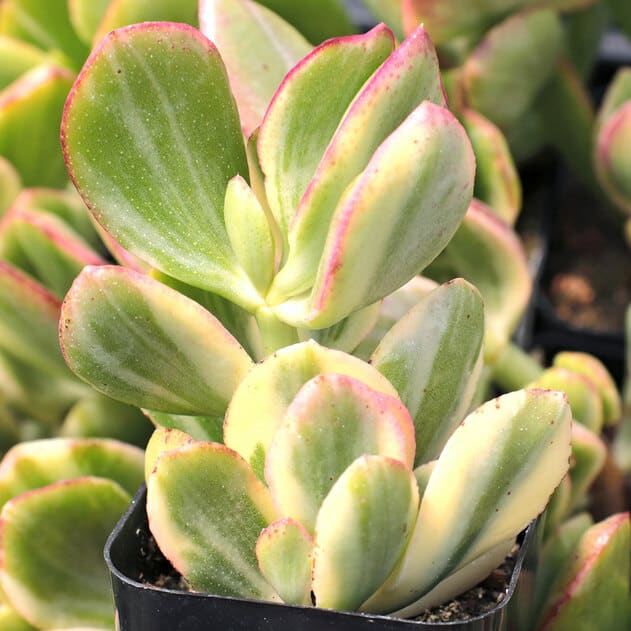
[(144, 607)]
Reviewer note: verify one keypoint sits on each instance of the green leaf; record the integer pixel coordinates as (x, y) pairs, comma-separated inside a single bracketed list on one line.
[(151, 137), (496, 180), (333, 420), (206, 510), (526, 44), (294, 135), (260, 402), (143, 343), (432, 357), (46, 25), (362, 530), (409, 76), (406, 204), (35, 464), (495, 474), (163, 439), (588, 459), (283, 550), (487, 252), (122, 12), (45, 247), (316, 19), (52, 546), (16, 58), (593, 590), (592, 368), (29, 317), (208, 428), (30, 112), (12, 621), (258, 47), (98, 416), (85, 17), (10, 184)]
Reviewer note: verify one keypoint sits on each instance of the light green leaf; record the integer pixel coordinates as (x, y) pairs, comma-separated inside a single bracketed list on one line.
[(206, 510), (283, 550), (10, 184), (333, 420), (588, 459), (151, 136), (409, 76), (85, 17), (495, 474), (432, 357), (16, 58), (35, 464), (30, 112), (526, 44), (258, 47), (208, 428), (361, 531), (294, 135), (163, 439), (406, 204), (260, 402), (143, 343)]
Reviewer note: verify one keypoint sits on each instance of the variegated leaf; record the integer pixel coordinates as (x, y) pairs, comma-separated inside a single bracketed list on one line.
[(333, 420), (362, 530), (495, 474), (145, 344), (409, 76), (432, 357), (151, 137), (163, 439), (258, 47), (284, 550), (52, 551), (208, 428), (589, 452), (260, 402), (10, 184), (206, 510), (294, 135)]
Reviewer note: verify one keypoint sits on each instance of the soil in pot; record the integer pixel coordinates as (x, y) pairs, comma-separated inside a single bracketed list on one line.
[(154, 569)]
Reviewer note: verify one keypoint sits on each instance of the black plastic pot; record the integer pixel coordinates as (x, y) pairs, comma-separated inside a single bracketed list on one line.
[(142, 607)]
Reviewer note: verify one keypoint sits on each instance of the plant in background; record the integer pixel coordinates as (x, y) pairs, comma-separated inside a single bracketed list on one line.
[(59, 499)]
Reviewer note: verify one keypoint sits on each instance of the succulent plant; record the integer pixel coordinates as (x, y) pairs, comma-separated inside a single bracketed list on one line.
[(59, 499)]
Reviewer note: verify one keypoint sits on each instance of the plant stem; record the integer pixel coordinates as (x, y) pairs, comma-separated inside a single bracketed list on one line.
[(274, 333), (515, 369)]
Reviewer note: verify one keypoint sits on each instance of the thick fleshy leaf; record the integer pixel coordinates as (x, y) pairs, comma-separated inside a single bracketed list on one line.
[(122, 12), (495, 474), (316, 19), (613, 164), (30, 112), (582, 394), (35, 464), (593, 590), (16, 58), (388, 12), (163, 439), (597, 373), (258, 47), (409, 76), (487, 252), (52, 552), (496, 180), (10, 184), (37, 393), (407, 204), (208, 428), (588, 458), (45, 247), (333, 420), (621, 10), (618, 93), (10, 620), (431, 356), (206, 510), (525, 45), (283, 550), (47, 25), (294, 135), (260, 402), (249, 233), (362, 530), (151, 137), (29, 316), (143, 343), (98, 416), (85, 17)]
